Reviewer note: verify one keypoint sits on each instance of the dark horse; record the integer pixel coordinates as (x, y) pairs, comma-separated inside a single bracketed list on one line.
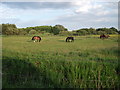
[(103, 36), (36, 38), (68, 39)]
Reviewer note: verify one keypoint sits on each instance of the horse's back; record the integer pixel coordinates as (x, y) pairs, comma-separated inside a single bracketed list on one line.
[(36, 38), (69, 38), (104, 36)]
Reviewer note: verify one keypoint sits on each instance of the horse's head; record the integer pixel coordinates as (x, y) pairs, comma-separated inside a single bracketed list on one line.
[(33, 37)]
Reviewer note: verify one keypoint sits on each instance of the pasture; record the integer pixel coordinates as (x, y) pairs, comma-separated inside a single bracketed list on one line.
[(88, 62)]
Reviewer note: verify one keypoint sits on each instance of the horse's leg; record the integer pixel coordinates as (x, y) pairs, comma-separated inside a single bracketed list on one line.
[(68, 40), (73, 40)]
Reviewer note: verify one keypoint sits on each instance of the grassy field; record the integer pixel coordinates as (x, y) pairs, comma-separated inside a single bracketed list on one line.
[(88, 62)]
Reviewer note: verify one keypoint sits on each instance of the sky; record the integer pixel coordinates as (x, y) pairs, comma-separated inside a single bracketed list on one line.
[(72, 15)]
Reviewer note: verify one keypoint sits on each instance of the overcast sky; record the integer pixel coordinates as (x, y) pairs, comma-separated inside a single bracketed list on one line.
[(72, 15)]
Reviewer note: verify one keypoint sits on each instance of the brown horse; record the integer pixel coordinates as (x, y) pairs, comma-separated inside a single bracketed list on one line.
[(68, 39), (103, 36), (36, 38)]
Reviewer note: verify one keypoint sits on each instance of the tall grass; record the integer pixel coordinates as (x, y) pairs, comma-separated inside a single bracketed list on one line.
[(54, 63)]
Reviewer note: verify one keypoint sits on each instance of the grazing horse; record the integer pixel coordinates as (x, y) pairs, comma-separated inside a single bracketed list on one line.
[(104, 36), (36, 38), (68, 39)]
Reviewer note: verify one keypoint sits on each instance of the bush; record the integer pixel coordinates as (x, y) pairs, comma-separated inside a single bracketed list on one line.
[(33, 32), (65, 33)]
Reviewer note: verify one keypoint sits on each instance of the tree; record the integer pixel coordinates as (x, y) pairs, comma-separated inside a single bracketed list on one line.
[(66, 33), (9, 29), (61, 28), (111, 30), (92, 31), (43, 28), (100, 32), (81, 32), (0, 28), (22, 31), (56, 30), (118, 32), (32, 32), (114, 29)]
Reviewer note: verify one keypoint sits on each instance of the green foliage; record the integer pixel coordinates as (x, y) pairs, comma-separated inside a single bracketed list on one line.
[(99, 31), (111, 30), (82, 32), (92, 31), (43, 28), (22, 31), (56, 30), (61, 28), (86, 31), (0, 28), (118, 32), (53, 63), (32, 32), (9, 29), (65, 33)]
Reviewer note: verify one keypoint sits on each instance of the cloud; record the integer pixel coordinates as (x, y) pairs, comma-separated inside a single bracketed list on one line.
[(98, 15), (73, 15), (57, 0), (7, 13), (83, 6), (38, 5)]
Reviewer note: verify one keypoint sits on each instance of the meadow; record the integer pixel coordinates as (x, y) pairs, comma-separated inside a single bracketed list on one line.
[(88, 62)]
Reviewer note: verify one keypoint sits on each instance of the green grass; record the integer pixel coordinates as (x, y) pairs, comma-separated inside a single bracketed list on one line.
[(88, 62)]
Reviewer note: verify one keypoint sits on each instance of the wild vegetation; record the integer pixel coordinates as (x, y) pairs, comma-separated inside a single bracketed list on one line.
[(88, 62), (11, 29)]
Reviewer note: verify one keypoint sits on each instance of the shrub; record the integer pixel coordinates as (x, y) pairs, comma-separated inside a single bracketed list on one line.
[(32, 32)]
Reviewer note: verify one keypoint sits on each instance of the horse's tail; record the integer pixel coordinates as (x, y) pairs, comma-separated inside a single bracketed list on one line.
[(66, 39), (39, 39)]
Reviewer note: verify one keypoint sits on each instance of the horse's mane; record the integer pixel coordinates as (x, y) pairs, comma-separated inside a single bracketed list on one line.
[(36, 36)]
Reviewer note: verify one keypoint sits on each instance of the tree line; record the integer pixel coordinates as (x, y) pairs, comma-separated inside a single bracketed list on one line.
[(11, 29)]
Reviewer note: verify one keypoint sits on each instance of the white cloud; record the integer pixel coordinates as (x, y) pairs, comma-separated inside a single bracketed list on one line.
[(83, 6), (80, 14), (57, 0), (102, 13), (8, 13)]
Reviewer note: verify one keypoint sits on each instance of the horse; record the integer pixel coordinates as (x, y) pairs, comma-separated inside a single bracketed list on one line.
[(68, 39), (104, 36), (36, 38)]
